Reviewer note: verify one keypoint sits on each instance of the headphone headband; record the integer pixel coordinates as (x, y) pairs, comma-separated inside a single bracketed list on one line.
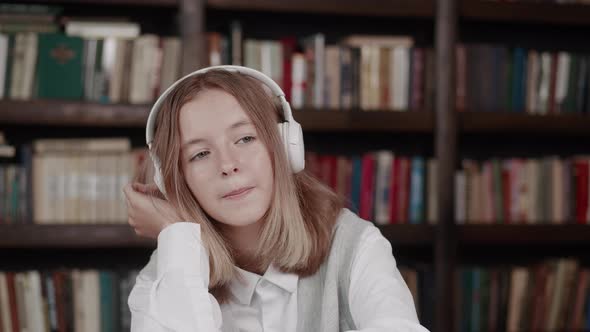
[(274, 87)]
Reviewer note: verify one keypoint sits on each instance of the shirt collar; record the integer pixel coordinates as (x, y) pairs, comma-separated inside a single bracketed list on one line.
[(244, 284)]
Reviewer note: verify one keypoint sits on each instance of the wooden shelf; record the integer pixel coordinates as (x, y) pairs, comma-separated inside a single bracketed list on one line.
[(506, 122), (143, 3), (516, 235), (71, 113), (408, 235), (79, 113), (329, 120), (122, 236), (396, 8), (525, 12), (70, 237)]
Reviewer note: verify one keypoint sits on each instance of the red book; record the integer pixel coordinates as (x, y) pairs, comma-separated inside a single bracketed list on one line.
[(552, 84), (58, 285), (332, 172), (507, 198), (12, 301), (288, 44), (393, 196), (403, 191), (581, 183), (417, 73), (367, 186), (312, 164)]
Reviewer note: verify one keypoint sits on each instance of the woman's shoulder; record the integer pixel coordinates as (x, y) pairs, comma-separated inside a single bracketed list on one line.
[(349, 219), (358, 228), (149, 271)]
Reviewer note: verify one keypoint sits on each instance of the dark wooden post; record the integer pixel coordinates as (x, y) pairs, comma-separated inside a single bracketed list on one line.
[(446, 152), (192, 31)]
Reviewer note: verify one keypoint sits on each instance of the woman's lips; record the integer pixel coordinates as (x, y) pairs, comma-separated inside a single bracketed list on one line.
[(238, 193)]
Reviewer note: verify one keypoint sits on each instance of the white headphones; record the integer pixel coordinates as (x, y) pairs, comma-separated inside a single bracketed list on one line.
[(290, 131)]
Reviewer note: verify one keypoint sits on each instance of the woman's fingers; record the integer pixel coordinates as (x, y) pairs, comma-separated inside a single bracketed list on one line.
[(148, 189)]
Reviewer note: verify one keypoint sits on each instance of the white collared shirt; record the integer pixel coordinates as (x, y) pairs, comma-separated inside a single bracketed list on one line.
[(171, 294)]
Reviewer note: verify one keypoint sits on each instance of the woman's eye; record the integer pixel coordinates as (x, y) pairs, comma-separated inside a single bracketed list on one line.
[(200, 155), (247, 139)]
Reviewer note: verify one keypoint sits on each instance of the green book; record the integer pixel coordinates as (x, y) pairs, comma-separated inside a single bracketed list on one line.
[(106, 301), (59, 68)]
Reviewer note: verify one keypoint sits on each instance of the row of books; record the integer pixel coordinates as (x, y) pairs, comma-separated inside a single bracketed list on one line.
[(498, 78), (19, 17), (420, 280), (546, 1), (66, 300), (529, 191), (381, 186), (361, 71), (96, 300), (110, 69), (549, 296), (69, 181)]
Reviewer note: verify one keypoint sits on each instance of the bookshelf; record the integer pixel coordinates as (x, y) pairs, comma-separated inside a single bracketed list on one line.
[(445, 127), (121, 236), (80, 114), (525, 12)]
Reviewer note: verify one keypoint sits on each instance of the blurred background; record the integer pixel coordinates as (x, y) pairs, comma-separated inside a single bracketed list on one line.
[(459, 127)]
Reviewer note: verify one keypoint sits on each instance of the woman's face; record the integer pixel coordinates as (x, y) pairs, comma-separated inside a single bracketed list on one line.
[(226, 165)]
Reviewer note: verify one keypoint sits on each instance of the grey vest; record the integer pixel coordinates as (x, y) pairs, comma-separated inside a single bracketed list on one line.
[(322, 299)]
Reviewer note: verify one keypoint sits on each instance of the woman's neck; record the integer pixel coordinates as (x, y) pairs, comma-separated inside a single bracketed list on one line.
[(244, 241)]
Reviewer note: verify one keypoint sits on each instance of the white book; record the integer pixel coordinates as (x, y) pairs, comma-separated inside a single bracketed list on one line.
[(96, 29), (91, 300), (320, 58), (90, 49), (365, 77), (143, 69), (17, 64), (29, 63), (332, 79), (5, 317), (545, 82), (374, 75), (170, 62), (3, 59), (298, 76), (533, 81), (384, 160), (401, 78), (518, 282), (558, 192), (34, 299), (563, 74), (266, 57)]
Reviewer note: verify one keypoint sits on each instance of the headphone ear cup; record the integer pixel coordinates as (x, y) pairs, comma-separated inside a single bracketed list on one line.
[(282, 127), (296, 147)]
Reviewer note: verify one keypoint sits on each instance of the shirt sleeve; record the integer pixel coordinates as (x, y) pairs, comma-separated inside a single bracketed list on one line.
[(379, 298), (171, 292)]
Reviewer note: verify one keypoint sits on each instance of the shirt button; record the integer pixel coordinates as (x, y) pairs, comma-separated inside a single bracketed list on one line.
[(264, 283)]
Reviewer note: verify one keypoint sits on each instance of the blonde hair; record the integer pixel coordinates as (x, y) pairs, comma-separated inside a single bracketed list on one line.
[(297, 228)]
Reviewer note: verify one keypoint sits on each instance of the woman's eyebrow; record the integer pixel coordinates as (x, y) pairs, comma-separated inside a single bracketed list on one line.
[(193, 141), (240, 123), (236, 125)]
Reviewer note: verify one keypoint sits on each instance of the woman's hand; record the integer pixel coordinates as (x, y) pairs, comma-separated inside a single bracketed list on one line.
[(148, 212)]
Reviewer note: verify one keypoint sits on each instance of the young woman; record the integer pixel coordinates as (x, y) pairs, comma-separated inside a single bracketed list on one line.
[(247, 239)]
